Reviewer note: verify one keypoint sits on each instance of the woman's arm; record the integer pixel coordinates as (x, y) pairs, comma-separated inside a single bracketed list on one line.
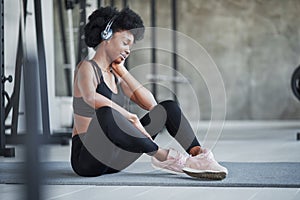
[(87, 84), (134, 89)]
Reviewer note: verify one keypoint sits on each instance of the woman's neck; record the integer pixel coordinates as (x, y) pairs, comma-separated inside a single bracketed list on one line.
[(101, 59)]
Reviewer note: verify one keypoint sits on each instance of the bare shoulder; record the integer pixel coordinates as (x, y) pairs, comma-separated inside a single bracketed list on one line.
[(84, 67), (86, 74)]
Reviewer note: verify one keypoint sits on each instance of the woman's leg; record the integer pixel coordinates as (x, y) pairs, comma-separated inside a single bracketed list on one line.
[(112, 142), (169, 114), (202, 166), (83, 162), (122, 133)]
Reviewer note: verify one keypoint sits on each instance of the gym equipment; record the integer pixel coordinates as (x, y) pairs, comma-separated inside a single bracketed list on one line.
[(61, 22), (32, 170), (4, 151), (154, 77), (153, 44), (69, 71), (295, 82), (82, 52), (174, 43), (13, 101)]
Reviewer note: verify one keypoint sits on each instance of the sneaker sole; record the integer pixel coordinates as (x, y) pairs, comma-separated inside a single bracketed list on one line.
[(204, 174), (166, 170)]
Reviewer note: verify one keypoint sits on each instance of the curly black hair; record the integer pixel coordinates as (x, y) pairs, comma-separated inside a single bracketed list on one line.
[(126, 19)]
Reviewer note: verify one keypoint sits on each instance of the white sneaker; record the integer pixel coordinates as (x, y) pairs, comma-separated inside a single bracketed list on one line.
[(205, 166), (174, 163)]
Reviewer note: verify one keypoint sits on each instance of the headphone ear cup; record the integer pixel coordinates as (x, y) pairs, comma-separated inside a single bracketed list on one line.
[(105, 35)]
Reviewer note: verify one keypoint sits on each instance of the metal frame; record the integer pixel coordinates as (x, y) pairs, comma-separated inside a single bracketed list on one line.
[(4, 151), (82, 48), (34, 73), (42, 68), (66, 60), (295, 85), (174, 42), (13, 102), (153, 45)]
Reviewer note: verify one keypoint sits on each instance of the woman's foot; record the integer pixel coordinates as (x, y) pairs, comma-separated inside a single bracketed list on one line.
[(202, 165), (174, 162)]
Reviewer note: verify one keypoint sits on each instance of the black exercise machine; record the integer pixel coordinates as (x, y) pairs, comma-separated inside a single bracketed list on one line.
[(13, 101), (295, 84), (4, 151)]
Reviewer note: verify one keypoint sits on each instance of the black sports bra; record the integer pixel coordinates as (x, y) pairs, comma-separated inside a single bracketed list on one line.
[(80, 107)]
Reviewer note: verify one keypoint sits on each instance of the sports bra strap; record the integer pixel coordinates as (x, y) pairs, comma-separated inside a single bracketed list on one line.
[(97, 71)]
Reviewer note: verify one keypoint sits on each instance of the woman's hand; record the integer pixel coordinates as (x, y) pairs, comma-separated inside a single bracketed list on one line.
[(119, 68), (136, 122)]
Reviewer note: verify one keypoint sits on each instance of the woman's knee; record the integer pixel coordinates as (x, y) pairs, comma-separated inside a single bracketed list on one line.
[(108, 112), (103, 110), (170, 105)]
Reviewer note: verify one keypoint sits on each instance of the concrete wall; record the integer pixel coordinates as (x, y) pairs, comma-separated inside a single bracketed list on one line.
[(255, 45)]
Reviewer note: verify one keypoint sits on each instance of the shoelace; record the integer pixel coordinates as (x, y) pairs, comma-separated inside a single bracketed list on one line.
[(180, 159), (207, 155)]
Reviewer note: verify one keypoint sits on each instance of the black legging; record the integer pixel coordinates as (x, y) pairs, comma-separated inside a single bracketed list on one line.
[(112, 143)]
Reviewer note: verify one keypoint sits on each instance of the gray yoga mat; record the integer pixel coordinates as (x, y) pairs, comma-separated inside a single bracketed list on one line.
[(283, 175)]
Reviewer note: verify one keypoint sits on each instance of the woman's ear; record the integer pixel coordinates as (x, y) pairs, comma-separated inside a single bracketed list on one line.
[(107, 41)]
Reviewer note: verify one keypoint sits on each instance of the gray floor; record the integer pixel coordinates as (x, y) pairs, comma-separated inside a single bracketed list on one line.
[(236, 144)]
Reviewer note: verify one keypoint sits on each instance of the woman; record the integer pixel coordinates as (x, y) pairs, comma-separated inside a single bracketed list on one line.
[(106, 137)]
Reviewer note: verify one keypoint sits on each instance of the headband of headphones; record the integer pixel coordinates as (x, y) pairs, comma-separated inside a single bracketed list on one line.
[(108, 32)]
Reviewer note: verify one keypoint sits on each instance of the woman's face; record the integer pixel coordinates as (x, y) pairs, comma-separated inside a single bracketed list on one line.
[(119, 46)]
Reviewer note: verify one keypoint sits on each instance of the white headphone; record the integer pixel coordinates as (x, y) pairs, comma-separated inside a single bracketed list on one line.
[(108, 32)]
